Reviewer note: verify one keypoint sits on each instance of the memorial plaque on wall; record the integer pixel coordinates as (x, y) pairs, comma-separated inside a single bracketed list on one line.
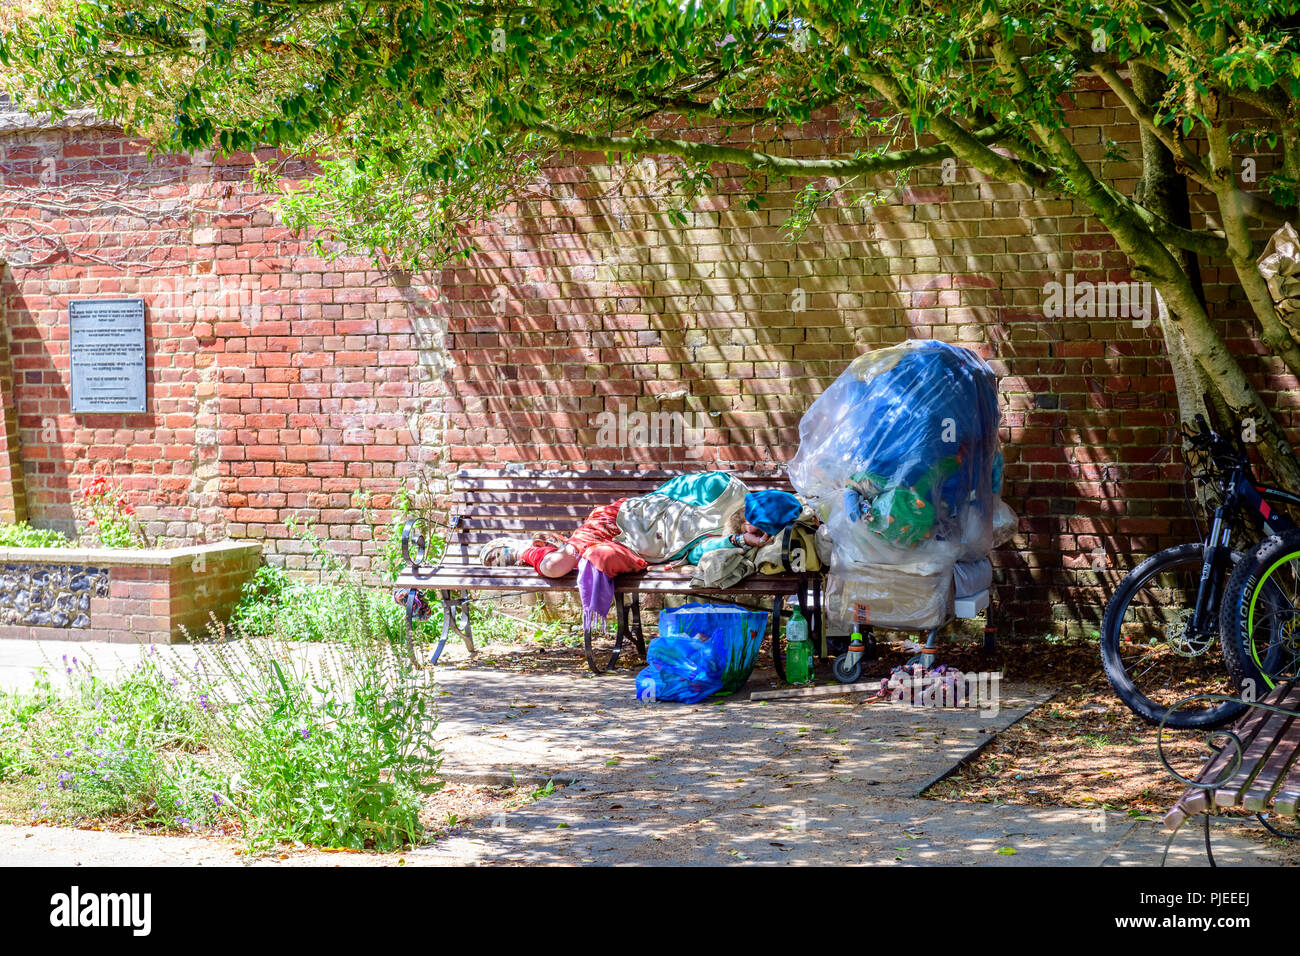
[(106, 343)]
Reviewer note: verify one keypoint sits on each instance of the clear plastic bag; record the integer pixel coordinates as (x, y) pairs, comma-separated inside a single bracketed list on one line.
[(888, 597), (900, 456), (1280, 266)]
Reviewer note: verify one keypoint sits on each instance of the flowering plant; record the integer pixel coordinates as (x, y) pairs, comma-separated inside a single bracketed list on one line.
[(106, 517)]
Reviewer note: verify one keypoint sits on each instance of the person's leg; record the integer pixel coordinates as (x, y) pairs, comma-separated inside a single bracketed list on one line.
[(549, 560), (557, 563)]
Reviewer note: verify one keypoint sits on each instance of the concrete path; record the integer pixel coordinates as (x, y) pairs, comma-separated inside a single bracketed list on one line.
[(740, 782)]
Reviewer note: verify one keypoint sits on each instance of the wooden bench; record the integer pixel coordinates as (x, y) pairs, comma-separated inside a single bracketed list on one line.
[(1253, 768), (487, 504)]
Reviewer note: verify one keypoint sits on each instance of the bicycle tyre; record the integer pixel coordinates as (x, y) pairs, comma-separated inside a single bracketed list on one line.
[(1112, 660)]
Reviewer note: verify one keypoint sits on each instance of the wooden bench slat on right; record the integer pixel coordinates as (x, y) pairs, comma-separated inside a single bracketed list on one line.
[(1269, 745), (1254, 758)]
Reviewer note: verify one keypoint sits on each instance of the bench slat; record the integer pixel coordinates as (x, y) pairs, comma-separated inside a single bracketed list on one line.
[(559, 484), (485, 528), (599, 474), (605, 490), (562, 482), (657, 582), (1274, 771), (1287, 799), (1256, 754), (527, 499), (1196, 799)]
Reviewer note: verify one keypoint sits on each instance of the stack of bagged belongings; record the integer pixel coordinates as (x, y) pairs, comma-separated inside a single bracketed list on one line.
[(901, 459)]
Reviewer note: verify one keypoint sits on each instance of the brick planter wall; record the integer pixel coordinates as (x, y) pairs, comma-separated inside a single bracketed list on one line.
[(151, 596), (281, 383)]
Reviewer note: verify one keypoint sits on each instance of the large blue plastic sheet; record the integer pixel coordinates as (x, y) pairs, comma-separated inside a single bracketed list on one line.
[(702, 650), (901, 458)]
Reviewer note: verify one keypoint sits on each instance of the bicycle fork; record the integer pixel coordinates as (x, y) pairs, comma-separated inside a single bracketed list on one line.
[(1208, 591)]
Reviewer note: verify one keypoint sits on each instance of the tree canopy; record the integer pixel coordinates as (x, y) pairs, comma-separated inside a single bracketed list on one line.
[(432, 113)]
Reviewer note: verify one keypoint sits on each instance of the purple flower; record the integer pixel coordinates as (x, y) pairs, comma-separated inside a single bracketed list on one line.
[(203, 701), (305, 733), (216, 798)]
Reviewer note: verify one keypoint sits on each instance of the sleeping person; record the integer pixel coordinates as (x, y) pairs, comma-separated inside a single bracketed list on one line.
[(682, 520)]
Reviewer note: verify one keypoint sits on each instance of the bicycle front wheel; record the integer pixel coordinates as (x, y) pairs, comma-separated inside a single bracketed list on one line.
[(1260, 623), (1152, 654)]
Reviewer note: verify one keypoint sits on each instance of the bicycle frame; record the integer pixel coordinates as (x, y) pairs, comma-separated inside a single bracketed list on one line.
[(1246, 498)]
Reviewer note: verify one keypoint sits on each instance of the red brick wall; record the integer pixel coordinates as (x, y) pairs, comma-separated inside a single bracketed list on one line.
[(278, 382), (282, 382)]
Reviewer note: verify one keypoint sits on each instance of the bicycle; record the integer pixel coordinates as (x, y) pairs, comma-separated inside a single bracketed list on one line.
[(1158, 646)]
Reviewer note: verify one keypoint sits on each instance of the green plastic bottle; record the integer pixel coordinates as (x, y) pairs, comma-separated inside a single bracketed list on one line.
[(798, 650)]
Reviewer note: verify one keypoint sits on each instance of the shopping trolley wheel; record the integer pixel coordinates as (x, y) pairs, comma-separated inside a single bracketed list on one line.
[(845, 672)]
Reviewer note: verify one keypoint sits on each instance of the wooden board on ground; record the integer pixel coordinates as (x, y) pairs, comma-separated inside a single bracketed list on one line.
[(823, 690)]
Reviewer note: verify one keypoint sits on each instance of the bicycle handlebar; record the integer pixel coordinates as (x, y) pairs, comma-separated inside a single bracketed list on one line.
[(1224, 451)]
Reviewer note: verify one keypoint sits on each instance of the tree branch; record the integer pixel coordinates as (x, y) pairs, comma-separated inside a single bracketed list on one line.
[(777, 165)]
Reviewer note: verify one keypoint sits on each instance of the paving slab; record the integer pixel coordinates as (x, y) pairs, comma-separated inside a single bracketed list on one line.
[(566, 727), (737, 782)]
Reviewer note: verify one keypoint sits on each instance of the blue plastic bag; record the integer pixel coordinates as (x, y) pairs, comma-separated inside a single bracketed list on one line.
[(921, 415), (702, 649)]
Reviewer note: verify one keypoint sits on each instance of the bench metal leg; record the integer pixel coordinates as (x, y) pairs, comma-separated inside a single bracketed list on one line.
[(778, 659), (455, 619), (622, 630), (638, 635), (818, 623), (990, 639), (412, 604)]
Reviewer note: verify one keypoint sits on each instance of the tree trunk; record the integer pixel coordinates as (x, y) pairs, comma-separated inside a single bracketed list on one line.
[(1199, 362), (1163, 190)]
